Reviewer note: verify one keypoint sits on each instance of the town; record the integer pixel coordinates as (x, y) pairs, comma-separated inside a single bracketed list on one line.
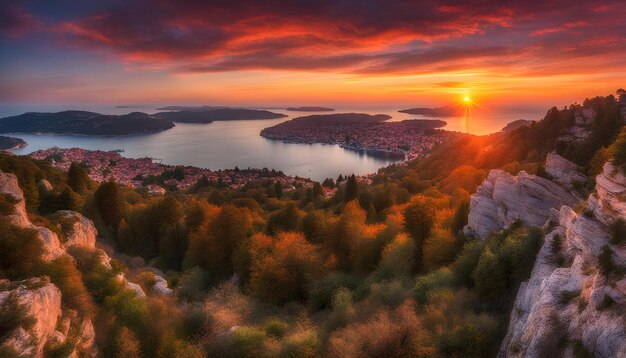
[(111, 165), (406, 140)]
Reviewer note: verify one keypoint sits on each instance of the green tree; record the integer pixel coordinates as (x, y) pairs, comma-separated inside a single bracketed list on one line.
[(419, 217), (108, 200), (351, 190), (489, 275), (77, 178), (287, 219)]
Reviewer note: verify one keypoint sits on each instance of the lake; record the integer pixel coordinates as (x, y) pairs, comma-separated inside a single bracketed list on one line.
[(226, 144)]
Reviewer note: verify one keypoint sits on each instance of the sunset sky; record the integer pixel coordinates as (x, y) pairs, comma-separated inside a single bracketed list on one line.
[(501, 53)]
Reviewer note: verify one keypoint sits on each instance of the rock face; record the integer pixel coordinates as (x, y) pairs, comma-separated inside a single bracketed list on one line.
[(503, 198), (52, 246), (563, 171), (609, 202), (576, 301), (80, 231), (43, 303), (566, 303), (160, 286)]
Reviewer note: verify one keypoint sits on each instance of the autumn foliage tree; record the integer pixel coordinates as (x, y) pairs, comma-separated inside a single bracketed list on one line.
[(286, 268)]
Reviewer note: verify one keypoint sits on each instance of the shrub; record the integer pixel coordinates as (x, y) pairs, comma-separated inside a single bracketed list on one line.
[(618, 232), (20, 252), (441, 278), (7, 204), (275, 327), (13, 315), (566, 296), (303, 343), (605, 260), (68, 279)]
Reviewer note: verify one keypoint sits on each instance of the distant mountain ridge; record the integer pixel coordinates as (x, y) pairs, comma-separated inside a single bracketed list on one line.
[(310, 109), (83, 122)]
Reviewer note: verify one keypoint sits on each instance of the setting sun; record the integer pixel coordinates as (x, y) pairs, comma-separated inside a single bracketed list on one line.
[(466, 99)]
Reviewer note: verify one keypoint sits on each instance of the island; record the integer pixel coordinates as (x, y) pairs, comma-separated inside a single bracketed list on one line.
[(10, 143), (310, 109), (217, 114), (84, 123), (406, 139), (447, 111)]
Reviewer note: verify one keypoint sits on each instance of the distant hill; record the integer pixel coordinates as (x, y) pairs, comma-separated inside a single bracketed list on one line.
[(219, 114), (447, 111), (310, 109), (7, 143), (343, 118), (82, 122), (191, 108), (516, 124)]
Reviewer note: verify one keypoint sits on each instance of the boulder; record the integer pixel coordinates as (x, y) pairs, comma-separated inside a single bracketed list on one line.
[(79, 231), (44, 186), (563, 171), (160, 286), (503, 198)]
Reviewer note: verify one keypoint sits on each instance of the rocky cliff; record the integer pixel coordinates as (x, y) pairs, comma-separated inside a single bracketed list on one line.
[(42, 300), (570, 304), (503, 198)]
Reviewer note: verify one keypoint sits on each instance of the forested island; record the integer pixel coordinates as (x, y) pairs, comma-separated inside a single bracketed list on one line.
[(8, 143), (84, 123), (217, 114), (310, 109)]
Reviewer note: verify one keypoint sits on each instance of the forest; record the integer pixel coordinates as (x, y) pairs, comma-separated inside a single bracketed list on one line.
[(380, 269)]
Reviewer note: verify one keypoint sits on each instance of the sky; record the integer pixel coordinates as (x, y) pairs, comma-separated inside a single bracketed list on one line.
[(396, 53)]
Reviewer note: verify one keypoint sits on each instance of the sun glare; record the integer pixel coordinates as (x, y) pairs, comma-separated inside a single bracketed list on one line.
[(466, 99)]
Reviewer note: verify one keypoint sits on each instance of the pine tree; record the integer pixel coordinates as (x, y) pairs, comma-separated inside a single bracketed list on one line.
[(352, 189), (77, 178), (108, 200)]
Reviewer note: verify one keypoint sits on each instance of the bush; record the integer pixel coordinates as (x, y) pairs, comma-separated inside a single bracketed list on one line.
[(618, 232), (13, 315), (68, 279), (21, 252), (441, 278)]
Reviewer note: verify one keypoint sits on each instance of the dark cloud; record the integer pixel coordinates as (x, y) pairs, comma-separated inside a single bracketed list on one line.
[(13, 19), (352, 36)]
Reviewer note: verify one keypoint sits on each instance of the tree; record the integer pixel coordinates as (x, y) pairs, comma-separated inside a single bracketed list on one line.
[(108, 200), (77, 178), (278, 187), (287, 219), (438, 248), (287, 270), (352, 189), (489, 275), (419, 218)]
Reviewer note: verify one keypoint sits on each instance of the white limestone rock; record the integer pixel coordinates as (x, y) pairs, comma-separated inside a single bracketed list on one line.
[(160, 286), (43, 302), (80, 231), (131, 285), (503, 198), (563, 171), (609, 202)]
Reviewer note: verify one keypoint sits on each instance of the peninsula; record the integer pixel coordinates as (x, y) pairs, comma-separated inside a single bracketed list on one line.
[(310, 109), (217, 114), (9, 143), (407, 139), (84, 123)]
